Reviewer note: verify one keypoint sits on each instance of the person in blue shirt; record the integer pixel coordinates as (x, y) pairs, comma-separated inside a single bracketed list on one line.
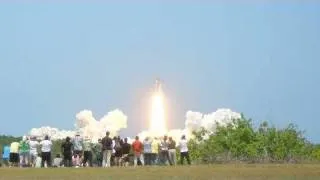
[(6, 155)]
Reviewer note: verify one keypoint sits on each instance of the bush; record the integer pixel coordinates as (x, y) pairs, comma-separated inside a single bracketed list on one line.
[(240, 141)]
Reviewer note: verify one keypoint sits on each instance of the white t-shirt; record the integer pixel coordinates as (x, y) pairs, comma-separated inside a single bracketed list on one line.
[(183, 144), (46, 146), (33, 146)]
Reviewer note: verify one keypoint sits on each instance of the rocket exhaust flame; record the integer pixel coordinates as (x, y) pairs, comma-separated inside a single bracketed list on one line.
[(157, 121)]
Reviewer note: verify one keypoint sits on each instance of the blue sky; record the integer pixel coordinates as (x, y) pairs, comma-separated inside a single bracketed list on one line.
[(259, 59)]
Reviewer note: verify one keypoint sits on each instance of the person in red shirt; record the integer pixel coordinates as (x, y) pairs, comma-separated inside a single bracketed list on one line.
[(137, 148)]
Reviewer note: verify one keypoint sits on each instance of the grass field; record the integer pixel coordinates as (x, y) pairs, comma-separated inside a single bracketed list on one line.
[(230, 171)]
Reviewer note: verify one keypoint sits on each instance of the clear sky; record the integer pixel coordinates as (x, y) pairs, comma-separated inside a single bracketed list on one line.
[(261, 59)]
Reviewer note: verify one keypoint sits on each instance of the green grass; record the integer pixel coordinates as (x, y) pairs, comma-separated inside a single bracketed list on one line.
[(226, 171)]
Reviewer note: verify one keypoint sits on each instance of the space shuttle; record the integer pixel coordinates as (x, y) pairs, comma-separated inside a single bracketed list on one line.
[(158, 84)]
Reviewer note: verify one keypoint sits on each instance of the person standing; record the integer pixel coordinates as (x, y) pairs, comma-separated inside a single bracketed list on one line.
[(66, 149), (172, 151), (184, 152), (107, 150), (33, 144), (6, 155), (46, 145), (118, 151), (97, 151), (14, 154), (164, 153), (155, 151), (77, 148), (126, 147), (112, 160), (87, 152), (137, 148), (24, 152), (147, 151)]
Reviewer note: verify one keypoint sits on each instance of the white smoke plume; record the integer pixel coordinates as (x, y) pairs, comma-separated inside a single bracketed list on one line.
[(196, 120), (54, 133), (87, 125), (114, 121)]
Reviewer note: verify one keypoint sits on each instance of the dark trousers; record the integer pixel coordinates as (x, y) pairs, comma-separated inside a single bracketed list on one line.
[(46, 157), (154, 158), (87, 157), (99, 159), (147, 158), (164, 157), (184, 155), (67, 159)]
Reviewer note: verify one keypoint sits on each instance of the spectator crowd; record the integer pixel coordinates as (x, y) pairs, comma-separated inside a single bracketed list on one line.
[(80, 151)]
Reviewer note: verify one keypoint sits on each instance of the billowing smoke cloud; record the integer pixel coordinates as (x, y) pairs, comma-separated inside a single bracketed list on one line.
[(114, 121), (196, 120), (87, 125), (54, 133)]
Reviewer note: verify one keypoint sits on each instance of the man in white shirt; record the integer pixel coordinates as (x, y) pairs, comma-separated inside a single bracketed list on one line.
[(184, 152), (33, 144), (46, 145)]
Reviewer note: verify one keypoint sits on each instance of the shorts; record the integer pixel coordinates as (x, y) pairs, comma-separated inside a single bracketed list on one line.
[(33, 156), (14, 157)]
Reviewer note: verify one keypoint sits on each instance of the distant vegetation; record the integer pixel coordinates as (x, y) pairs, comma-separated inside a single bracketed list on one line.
[(239, 141)]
